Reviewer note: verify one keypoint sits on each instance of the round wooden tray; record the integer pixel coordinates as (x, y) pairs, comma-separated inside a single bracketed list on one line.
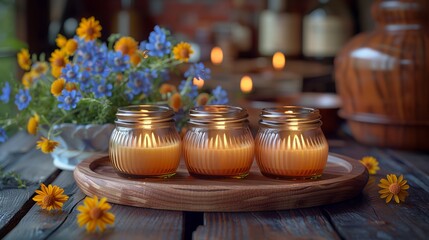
[(343, 178)]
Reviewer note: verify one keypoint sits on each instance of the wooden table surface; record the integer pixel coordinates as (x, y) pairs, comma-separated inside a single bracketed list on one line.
[(364, 217)]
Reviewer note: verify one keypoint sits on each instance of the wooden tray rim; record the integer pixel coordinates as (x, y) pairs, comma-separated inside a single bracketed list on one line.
[(357, 171)]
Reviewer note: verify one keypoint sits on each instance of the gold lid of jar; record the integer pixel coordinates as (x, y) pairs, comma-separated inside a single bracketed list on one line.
[(291, 117), (217, 115), (144, 114)]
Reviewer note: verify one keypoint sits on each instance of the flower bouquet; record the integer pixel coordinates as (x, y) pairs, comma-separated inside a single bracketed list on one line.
[(86, 80)]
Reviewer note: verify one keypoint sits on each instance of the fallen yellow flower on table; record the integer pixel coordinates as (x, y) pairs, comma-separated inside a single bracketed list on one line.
[(371, 164), (50, 197), (94, 213), (393, 187), (46, 145)]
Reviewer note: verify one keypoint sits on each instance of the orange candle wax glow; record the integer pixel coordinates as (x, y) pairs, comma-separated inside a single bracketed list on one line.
[(290, 143), (219, 157), (218, 142), (145, 142), (293, 157), (147, 160)]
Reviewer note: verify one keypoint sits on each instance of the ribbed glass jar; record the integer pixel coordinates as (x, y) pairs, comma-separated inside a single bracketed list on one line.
[(290, 143), (218, 142), (145, 142)]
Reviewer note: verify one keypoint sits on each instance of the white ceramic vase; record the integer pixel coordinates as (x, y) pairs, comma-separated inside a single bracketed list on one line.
[(78, 142)]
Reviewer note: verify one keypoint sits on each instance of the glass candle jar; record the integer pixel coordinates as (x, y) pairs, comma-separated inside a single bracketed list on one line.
[(218, 142), (290, 143), (145, 142)]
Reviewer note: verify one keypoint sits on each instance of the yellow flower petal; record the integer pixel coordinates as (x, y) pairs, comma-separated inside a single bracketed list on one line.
[(396, 198), (24, 60), (402, 183), (389, 198), (89, 29), (182, 51), (389, 178), (126, 45), (384, 195), (49, 197), (384, 182), (383, 191), (94, 214)]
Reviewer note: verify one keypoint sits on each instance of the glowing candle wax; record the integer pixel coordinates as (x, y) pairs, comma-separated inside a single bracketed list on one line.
[(219, 157), (218, 142), (290, 143), (293, 156), (145, 142), (147, 159)]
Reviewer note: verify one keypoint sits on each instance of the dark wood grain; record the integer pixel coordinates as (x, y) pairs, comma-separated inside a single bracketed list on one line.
[(131, 223), (382, 76), (369, 217), (292, 224), (343, 178), (19, 155)]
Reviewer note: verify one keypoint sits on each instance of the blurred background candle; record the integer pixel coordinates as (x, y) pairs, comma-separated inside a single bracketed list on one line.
[(218, 142), (290, 143), (216, 56), (198, 82), (145, 142), (279, 61), (246, 84)]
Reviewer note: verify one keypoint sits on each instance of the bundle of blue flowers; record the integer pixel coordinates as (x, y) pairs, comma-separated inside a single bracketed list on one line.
[(86, 80)]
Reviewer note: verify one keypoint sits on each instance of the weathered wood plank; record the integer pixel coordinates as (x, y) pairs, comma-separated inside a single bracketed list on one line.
[(291, 224), (418, 161), (131, 223), (369, 217), (19, 155)]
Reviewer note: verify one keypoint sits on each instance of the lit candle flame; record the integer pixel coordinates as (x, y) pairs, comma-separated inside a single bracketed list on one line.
[(246, 84), (279, 61), (198, 82), (216, 55)]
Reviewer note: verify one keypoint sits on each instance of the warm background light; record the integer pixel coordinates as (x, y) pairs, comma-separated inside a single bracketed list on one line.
[(279, 61), (246, 84), (216, 55), (198, 82)]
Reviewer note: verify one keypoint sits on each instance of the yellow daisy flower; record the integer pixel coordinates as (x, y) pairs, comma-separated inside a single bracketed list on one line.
[(175, 102), (33, 124), (46, 145), (126, 45), (89, 29), (58, 59), (135, 59), (94, 213), (24, 60), (393, 187), (167, 88), (58, 86), (371, 164), (27, 79), (50, 197), (202, 99), (182, 51), (61, 41), (70, 47), (39, 69)]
